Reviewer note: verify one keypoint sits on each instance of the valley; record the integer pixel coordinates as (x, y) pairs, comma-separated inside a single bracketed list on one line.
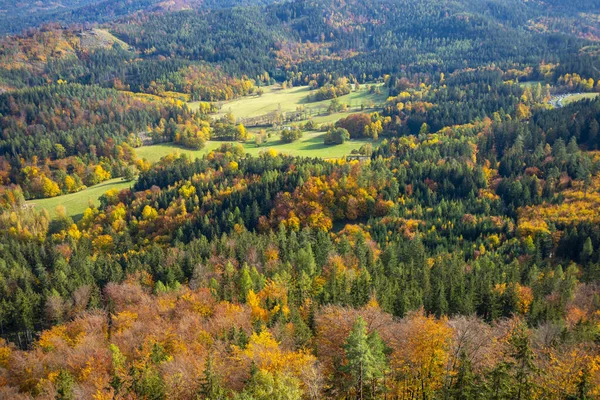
[(300, 200)]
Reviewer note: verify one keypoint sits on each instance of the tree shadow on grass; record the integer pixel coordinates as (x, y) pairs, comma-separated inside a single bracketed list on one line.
[(77, 217), (315, 146), (315, 139)]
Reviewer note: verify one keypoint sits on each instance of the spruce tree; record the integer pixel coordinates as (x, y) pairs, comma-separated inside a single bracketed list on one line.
[(464, 387), (523, 366), (244, 282), (587, 251), (210, 386), (378, 350), (362, 364)]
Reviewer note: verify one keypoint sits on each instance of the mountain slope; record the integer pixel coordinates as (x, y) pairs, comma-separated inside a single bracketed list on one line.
[(302, 40), (349, 37), (17, 16)]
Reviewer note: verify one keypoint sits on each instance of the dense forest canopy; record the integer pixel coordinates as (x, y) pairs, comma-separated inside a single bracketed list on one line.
[(453, 253), (15, 16), (294, 40)]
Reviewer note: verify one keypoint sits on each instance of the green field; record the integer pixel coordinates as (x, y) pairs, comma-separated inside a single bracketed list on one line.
[(285, 100), (76, 203), (530, 84), (579, 97), (310, 145), (155, 152)]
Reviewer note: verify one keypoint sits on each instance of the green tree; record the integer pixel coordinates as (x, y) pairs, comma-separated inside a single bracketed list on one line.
[(594, 129), (362, 363), (290, 134), (64, 385), (265, 385), (587, 251), (498, 384), (463, 387), (130, 173), (380, 367), (523, 366), (210, 386), (336, 136), (244, 282), (120, 377)]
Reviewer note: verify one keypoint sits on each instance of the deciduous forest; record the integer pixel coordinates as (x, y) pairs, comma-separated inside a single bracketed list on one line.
[(453, 252)]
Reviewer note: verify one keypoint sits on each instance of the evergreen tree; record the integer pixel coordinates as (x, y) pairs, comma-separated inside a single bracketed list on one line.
[(380, 364), (210, 387), (64, 386), (498, 386), (464, 387), (583, 386), (244, 282), (362, 364), (587, 251), (523, 366)]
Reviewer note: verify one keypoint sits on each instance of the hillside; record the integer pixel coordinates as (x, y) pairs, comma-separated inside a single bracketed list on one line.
[(16, 16), (295, 41), (300, 199)]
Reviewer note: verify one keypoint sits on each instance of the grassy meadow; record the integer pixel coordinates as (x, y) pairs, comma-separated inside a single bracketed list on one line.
[(76, 203), (286, 100), (310, 145), (579, 97)]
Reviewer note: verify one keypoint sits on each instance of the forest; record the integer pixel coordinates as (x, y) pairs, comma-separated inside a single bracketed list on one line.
[(453, 254)]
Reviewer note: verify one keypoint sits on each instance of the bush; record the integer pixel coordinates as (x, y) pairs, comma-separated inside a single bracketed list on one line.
[(234, 148), (309, 125), (331, 91), (366, 149), (290, 134), (336, 136)]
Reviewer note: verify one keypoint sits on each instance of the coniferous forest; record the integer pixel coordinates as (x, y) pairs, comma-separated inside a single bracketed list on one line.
[(300, 199)]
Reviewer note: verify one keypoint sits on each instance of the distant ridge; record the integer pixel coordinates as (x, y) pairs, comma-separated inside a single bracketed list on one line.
[(18, 16)]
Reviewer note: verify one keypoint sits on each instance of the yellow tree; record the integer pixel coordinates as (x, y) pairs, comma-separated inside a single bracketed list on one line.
[(421, 350), (565, 369), (523, 111), (242, 133), (51, 188)]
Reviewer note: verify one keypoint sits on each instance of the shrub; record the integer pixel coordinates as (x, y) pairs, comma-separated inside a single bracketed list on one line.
[(290, 134), (336, 136)]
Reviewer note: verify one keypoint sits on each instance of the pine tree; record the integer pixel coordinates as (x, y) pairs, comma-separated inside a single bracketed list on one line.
[(210, 387), (523, 366), (362, 364), (498, 384), (584, 385), (378, 350), (244, 282), (305, 260), (587, 251), (64, 386), (440, 303), (464, 387)]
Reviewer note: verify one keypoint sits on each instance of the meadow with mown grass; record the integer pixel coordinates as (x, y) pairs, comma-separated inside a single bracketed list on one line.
[(75, 203), (265, 199), (310, 145), (274, 98), (579, 97)]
